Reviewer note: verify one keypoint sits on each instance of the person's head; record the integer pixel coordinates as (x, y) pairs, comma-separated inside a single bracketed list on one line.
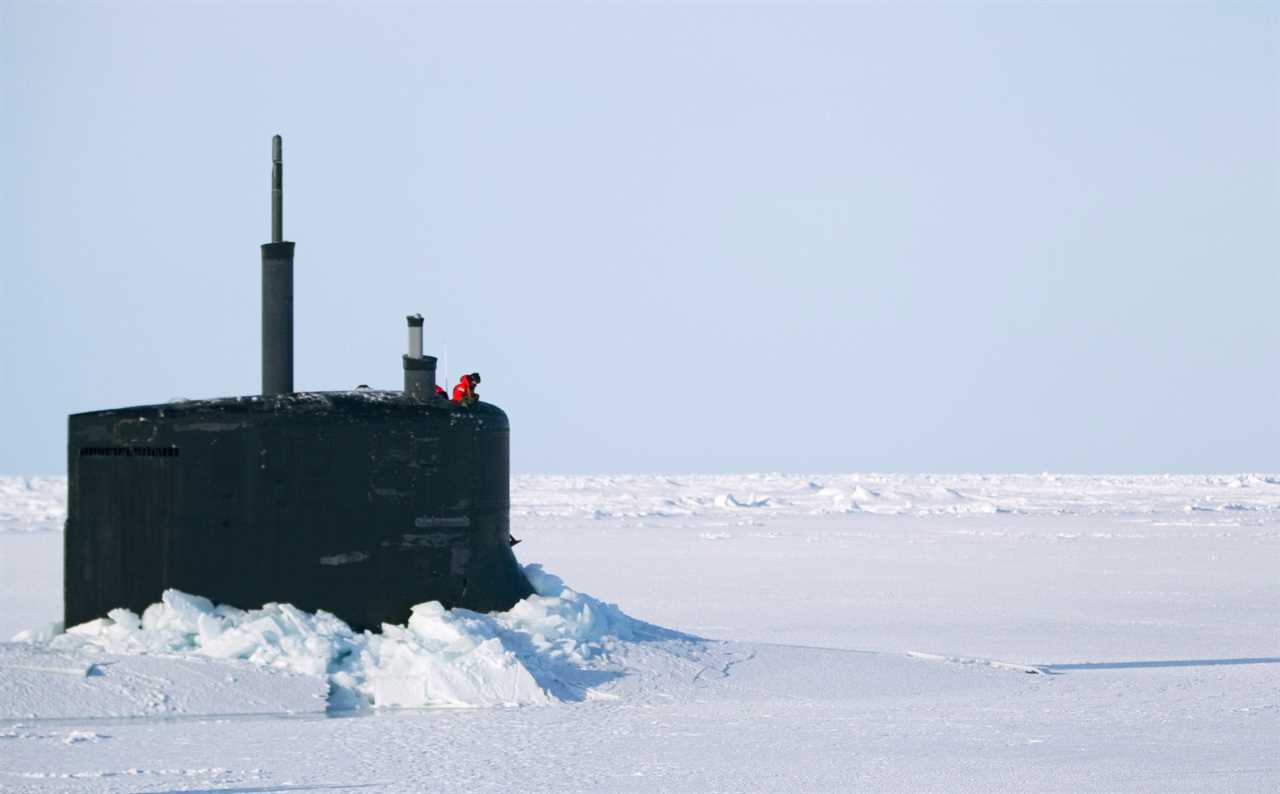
[(474, 378)]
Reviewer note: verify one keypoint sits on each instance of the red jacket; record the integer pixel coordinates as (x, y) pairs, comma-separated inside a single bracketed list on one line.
[(463, 390)]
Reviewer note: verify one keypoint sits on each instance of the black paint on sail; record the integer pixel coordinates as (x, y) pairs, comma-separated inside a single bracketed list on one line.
[(361, 503)]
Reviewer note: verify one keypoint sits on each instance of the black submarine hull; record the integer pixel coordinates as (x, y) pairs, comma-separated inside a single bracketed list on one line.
[(361, 503)]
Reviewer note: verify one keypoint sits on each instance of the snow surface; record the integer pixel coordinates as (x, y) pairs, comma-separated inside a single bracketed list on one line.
[(32, 504), (878, 632), (547, 649)]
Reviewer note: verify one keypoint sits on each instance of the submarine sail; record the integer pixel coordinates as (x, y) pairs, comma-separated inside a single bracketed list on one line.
[(362, 503)]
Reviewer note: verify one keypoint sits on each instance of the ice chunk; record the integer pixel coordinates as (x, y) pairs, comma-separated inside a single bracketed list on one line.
[(439, 657)]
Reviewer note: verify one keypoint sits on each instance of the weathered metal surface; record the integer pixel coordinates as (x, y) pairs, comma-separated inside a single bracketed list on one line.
[(360, 503), (277, 318), (419, 370)]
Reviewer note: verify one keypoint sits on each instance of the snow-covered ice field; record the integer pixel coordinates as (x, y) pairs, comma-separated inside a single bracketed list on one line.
[(772, 633)]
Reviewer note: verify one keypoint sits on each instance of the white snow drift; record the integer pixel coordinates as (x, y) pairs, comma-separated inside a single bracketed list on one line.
[(775, 495), (547, 648), (32, 504), (1149, 602)]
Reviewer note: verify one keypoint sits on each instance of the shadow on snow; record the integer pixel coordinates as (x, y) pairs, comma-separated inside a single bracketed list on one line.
[(1054, 668)]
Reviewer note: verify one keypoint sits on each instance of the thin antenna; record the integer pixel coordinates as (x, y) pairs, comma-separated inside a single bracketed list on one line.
[(444, 371), (277, 190)]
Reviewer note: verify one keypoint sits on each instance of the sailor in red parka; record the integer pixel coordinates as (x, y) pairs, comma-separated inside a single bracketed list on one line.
[(465, 392)]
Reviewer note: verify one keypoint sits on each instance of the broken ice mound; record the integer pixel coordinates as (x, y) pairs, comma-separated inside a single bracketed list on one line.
[(556, 645), (728, 500)]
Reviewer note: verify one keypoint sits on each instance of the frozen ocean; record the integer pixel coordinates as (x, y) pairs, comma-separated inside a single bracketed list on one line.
[(703, 633)]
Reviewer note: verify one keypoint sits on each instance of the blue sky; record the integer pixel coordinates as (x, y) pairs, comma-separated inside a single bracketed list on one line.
[(671, 238)]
